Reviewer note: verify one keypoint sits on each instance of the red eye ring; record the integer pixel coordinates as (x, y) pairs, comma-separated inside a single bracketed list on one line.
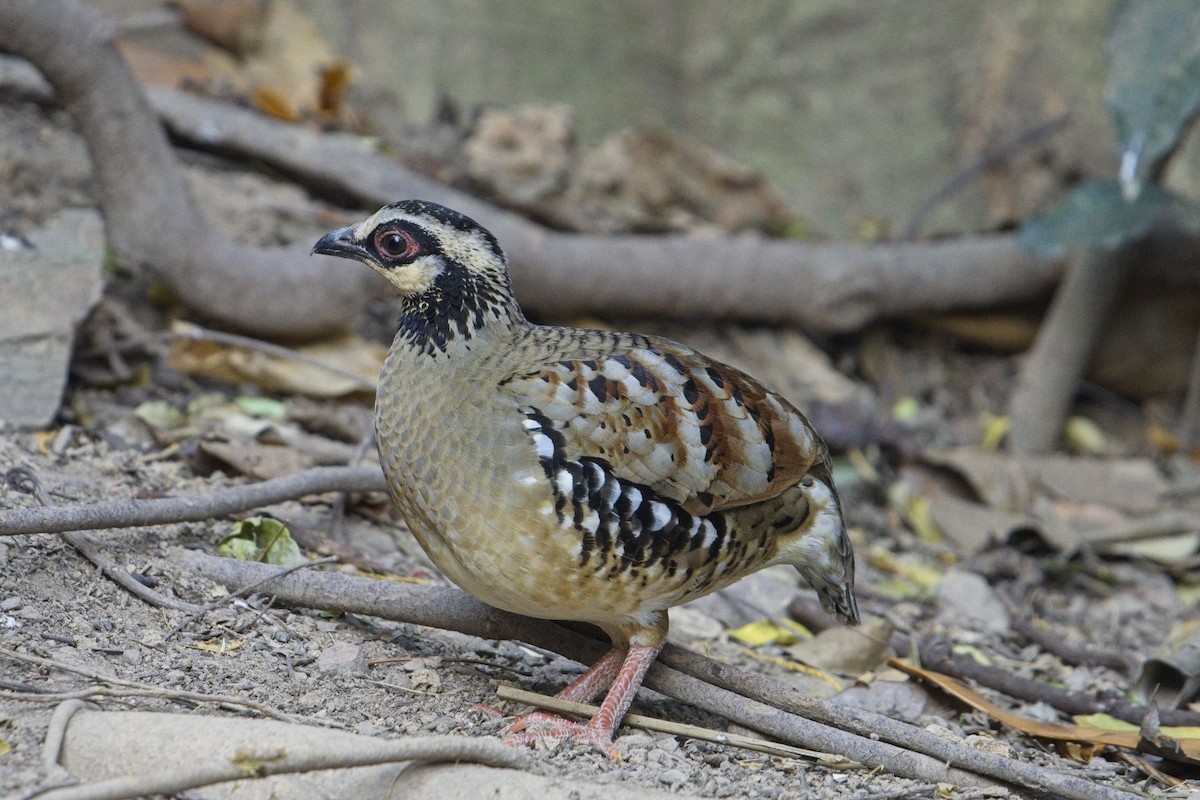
[(395, 245)]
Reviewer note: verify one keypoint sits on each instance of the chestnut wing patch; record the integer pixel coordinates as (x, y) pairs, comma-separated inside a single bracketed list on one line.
[(696, 432)]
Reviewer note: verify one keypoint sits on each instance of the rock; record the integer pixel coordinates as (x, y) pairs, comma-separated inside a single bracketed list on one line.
[(341, 658), (673, 777), (966, 598), (45, 291), (11, 603)]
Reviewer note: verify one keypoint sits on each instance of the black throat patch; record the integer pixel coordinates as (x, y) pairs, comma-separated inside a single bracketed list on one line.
[(456, 306)]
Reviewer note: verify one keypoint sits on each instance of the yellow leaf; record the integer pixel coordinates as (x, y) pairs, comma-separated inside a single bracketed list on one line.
[(764, 631), (5, 747), (1084, 436), (919, 518), (975, 653), (905, 409), (1111, 723), (995, 428), (1162, 439), (803, 669)]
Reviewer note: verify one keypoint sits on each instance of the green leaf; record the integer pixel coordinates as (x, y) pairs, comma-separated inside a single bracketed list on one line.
[(261, 539), (262, 407), (160, 414), (1098, 215), (1152, 55)]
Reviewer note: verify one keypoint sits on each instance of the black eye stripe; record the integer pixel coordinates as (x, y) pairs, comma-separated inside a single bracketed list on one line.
[(400, 241)]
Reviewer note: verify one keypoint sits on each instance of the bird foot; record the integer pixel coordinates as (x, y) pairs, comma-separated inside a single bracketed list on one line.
[(527, 729)]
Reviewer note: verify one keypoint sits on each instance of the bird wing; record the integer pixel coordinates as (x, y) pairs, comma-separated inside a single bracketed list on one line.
[(661, 415)]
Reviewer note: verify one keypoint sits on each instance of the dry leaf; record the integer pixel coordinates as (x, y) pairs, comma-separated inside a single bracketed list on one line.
[(847, 651), (261, 461), (335, 79), (224, 647), (1187, 750), (345, 354), (1009, 482)]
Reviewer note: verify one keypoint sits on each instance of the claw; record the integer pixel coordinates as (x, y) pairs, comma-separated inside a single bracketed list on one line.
[(552, 727)]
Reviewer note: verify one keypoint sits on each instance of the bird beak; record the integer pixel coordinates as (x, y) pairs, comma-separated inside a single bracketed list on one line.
[(341, 243)]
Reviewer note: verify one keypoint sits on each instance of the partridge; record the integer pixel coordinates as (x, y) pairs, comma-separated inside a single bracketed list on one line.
[(580, 474)]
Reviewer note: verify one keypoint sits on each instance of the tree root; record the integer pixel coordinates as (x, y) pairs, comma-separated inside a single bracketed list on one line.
[(150, 215)]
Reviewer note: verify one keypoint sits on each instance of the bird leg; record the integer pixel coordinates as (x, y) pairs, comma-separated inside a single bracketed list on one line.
[(599, 730), (583, 689)]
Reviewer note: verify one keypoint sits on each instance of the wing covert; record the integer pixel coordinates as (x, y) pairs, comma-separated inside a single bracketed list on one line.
[(700, 433)]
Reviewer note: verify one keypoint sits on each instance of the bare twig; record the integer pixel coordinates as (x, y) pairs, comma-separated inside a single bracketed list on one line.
[(1053, 642), (276, 761), (936, 656), (164, 511), (737, 695), (1050, 375), (969, 173), (150, 691), (830, 760), (222, 601), (24, 480), (83, 543)]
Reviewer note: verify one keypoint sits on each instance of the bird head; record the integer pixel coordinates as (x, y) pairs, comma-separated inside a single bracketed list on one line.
[(421, 247), (448, 268)]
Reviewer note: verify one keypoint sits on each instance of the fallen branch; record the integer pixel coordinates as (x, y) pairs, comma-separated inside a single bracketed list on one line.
[(1050, 375), (1053, 642), (834, 287), (168, 510), (753, 701)]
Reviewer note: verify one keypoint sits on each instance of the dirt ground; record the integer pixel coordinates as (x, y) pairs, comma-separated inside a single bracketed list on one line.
[(55, 605)]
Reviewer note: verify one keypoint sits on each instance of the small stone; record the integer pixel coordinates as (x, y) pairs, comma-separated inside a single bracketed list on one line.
[(151, 638), (11, 604), (634, 741), (667, 743), (341, 658), (673, 777), (31, 614), (426, 680)]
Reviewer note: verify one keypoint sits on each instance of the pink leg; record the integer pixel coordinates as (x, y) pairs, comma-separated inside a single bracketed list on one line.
[(599, 677), (581, 690), (599, 730)]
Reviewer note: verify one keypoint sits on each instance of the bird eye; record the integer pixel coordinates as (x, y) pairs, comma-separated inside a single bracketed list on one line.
[(395, 245)]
